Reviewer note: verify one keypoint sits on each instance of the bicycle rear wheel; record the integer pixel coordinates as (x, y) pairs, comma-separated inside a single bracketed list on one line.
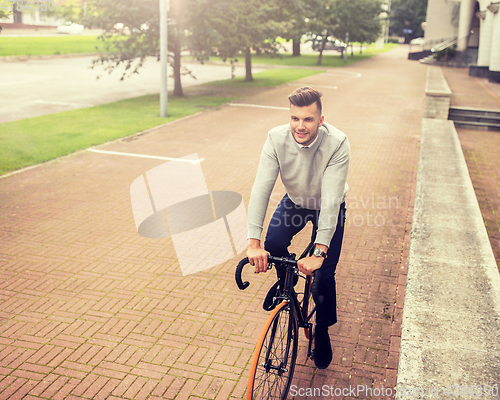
[(274, 358)]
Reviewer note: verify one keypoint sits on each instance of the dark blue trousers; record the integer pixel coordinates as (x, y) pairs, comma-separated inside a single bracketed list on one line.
[(288, 220)]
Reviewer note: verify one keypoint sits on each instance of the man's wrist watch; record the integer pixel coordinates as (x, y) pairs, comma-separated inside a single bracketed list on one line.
[(319, 253)]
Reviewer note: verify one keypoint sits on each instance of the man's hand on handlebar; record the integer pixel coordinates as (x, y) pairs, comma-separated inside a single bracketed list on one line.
[(310, 264), (257, 256)]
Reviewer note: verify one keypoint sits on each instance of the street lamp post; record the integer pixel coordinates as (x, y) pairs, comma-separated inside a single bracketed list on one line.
[(346, 46), (163, 57), (388, 22)]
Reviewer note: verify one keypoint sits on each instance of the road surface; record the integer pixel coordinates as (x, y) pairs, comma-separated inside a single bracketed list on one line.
[(44, 86)]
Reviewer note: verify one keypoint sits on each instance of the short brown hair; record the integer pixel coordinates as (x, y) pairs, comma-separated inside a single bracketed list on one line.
[(305, 96)]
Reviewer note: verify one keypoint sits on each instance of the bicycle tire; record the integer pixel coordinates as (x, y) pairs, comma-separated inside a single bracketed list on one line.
[(279, 336)]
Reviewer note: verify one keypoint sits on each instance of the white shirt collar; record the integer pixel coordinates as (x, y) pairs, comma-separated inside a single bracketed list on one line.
[(310, 144)]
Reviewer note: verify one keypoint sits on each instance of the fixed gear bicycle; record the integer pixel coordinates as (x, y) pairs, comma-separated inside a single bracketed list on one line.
[(274, 358)]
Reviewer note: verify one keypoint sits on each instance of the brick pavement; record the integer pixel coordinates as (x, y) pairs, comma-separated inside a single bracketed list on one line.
[(480, 147), (91, 310)]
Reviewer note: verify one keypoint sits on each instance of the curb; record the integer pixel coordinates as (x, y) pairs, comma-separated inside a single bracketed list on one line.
[(44, 57)]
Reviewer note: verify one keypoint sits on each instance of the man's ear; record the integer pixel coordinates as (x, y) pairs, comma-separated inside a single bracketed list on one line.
[(321, 120)]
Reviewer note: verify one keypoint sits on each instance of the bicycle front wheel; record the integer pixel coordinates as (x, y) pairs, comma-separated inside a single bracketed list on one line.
[(273, 362)]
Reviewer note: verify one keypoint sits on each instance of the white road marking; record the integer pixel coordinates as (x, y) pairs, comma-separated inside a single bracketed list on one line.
[(26, 81), (139, 84), (259, 106), (117, 153), (316, 86), (334, 71), (63, 103), (326, 87)]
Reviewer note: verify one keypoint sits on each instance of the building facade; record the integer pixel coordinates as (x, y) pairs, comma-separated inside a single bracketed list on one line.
[(471, 24)]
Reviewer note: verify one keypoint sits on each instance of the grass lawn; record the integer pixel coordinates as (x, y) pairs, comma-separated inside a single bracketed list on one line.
[(270, 77), (34, 140), (67, 44), (331, 59), (37, 46)]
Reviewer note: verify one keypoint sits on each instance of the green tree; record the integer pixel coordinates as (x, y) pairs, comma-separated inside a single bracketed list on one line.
[(296, 13), (345, 20), (71, 10), (321, 22), (408, 14), (132, 33), (228, 28), (361, 18), (4, 13)]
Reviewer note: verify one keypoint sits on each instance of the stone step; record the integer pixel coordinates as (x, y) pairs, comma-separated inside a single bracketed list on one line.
[(475, 118)]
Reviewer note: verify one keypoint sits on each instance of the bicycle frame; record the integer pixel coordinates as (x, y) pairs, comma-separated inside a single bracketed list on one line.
[(298, 311), (298, 317)]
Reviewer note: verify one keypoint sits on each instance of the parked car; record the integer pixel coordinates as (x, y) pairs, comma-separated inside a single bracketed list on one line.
[(70, 28), (121, 28), (418, 41), (331, 44), (125, 30)]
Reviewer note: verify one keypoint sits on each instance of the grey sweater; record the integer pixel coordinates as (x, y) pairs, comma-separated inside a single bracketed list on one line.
[(314, 178)]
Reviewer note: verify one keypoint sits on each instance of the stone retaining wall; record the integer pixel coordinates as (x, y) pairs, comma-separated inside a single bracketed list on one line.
[(437, 95)]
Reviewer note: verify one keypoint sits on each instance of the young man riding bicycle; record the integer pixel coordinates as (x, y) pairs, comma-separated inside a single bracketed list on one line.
[(312, 158)]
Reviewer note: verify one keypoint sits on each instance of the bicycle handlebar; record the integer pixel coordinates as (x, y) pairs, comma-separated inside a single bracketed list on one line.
[(242, 285), (318, 299)]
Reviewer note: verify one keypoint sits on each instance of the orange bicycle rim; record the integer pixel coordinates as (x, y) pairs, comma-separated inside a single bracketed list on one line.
[(255, 359)]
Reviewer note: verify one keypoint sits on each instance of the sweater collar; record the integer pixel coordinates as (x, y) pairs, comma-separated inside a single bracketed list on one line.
[(314, 143), (310, 144)]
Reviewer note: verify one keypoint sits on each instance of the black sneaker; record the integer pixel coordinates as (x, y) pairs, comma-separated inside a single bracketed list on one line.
[(322, 348), (270, 302)]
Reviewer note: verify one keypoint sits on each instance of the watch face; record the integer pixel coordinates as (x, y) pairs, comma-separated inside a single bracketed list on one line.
[(319, 253)]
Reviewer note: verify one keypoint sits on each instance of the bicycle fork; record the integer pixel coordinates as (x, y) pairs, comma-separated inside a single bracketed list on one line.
[(268, 361)]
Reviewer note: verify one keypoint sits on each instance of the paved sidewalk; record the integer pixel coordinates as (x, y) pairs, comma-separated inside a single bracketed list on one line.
[(91, 310), (481, 148), (449, 340)]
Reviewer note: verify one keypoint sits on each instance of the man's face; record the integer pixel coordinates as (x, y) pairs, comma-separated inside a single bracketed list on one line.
[(304, 123)]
